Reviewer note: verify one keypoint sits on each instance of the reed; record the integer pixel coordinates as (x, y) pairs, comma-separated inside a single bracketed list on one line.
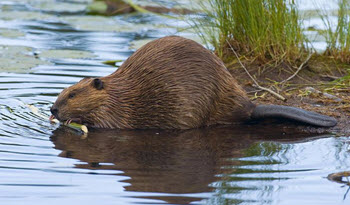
[(337, 36), (265, 30)]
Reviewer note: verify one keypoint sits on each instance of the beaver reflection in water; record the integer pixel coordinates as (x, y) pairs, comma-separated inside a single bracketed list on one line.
[(169, 83)]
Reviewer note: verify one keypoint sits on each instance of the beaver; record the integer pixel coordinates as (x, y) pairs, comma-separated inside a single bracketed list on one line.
[(169, 83)]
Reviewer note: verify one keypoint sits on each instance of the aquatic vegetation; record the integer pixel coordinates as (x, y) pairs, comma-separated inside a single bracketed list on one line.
[(337, 36), (113, 7), (42, 162), (82, 129), (24, 15), (117, 7), (265, 30), (18, 59), (57, 6), (136, 44), (11, 33), (105, 24), (73, 54)]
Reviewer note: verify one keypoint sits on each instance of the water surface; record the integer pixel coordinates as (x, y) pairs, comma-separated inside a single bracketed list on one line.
[(41, 163)]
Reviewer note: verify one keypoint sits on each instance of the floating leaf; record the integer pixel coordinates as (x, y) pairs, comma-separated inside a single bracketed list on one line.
[(101, 23), (73, 54), (18, 59), (9, 109), (11, 33), (24, 15), (112, 62), (55, 6), (136, 44), (97, 7)]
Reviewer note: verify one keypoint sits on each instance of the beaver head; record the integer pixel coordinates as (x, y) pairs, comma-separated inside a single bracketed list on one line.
[(80, 103)]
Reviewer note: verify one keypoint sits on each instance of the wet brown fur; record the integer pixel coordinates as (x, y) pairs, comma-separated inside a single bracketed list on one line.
[(170, 83)]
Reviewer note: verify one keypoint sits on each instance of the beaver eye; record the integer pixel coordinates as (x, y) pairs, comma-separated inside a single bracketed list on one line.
[(71, 95)]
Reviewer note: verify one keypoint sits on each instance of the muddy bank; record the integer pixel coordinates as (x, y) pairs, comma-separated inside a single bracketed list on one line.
[(320, 86)]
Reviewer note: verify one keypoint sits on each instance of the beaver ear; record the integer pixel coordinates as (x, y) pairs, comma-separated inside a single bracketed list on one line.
[(97, 83)]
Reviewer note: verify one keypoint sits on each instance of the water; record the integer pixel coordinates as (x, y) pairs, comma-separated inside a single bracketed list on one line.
[(41, 163)]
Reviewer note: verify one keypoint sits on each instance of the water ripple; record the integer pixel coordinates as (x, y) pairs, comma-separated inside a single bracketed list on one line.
[(41, 163)]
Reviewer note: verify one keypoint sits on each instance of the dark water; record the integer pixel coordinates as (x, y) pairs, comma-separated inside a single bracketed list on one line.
[(42, 163)]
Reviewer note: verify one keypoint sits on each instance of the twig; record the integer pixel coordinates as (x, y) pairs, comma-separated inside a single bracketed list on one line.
[(75, 126), (300, 67), (256, 84), (330, 76)]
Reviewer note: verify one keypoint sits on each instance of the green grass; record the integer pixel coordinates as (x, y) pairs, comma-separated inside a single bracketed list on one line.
[(337, 36), (265, 30)]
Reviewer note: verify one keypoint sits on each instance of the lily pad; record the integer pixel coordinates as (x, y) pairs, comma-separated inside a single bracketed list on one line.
[(100, 23), (6, 7), (178, 4), (24, 15), (136, 44), (54, 6), (82, 1), (18, 59), (97, 7), (11, 33), (73, 54)]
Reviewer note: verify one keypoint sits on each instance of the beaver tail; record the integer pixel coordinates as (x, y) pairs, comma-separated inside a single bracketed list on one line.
[(293, 113)]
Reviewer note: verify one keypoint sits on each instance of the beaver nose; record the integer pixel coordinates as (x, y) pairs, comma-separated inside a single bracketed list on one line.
[(54, 111)]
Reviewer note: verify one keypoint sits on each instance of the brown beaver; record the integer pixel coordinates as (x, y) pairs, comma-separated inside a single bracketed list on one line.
[(169, 83)]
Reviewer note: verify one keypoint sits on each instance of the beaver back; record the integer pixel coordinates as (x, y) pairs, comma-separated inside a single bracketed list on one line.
[(173, 82)]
